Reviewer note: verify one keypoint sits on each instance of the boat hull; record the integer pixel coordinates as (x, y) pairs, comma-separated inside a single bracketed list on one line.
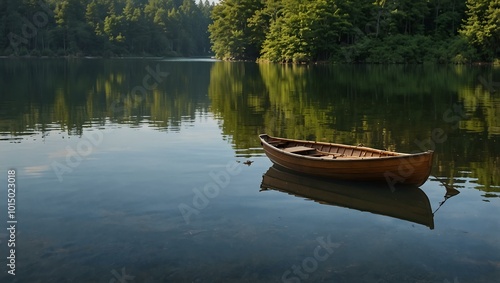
[(371, 165)]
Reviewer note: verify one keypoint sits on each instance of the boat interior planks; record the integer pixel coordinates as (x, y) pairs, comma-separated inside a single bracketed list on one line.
[(348, 162)]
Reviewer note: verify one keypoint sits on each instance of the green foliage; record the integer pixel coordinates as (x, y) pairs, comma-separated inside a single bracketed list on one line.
[(105, 27), (287, 31), (305, 31), (380, 31), (231, 36), (482, 27)]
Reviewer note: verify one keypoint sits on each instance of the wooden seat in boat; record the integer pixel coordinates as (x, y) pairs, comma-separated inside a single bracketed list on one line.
[(297, 149)]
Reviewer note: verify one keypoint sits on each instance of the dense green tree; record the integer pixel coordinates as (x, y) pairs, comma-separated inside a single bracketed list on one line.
[(230, 34), (94, 15), (201, 30), (305, 31), (381, 31), (135, 29), (104, 27), (493, 27), (21, 27), (71, 28), (482, 26), (408, 16), (445, 16)]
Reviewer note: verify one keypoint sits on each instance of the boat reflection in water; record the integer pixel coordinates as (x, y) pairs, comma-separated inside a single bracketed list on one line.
[(409, 203)]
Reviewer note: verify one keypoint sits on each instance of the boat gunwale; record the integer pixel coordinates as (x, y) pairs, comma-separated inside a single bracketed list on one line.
[(399, 155)]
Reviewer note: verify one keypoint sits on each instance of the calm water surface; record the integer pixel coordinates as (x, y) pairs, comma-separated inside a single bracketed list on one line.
[(133, 171)]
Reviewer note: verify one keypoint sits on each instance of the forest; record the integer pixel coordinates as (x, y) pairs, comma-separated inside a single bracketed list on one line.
[(283, 31), (357, 31), (104, 27)]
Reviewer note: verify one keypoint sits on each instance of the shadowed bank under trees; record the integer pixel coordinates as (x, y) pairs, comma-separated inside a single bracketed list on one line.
[(365, 31), (104, 27)]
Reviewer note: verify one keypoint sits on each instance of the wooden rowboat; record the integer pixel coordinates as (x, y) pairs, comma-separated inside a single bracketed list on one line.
[(347, 162), (410, 203)]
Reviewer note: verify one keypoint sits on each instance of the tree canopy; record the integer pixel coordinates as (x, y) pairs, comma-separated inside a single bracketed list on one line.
[(298, 31), (376, 31), (482, 26), (105, 27)]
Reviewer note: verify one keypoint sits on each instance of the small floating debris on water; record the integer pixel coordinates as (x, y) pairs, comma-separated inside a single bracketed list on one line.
[(246, 162)]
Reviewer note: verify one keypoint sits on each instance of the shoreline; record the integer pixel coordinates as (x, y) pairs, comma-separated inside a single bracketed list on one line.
[(105, 57), (257, 61)]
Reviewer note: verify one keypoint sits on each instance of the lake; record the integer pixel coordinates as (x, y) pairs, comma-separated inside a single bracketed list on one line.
[(150, 170)]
